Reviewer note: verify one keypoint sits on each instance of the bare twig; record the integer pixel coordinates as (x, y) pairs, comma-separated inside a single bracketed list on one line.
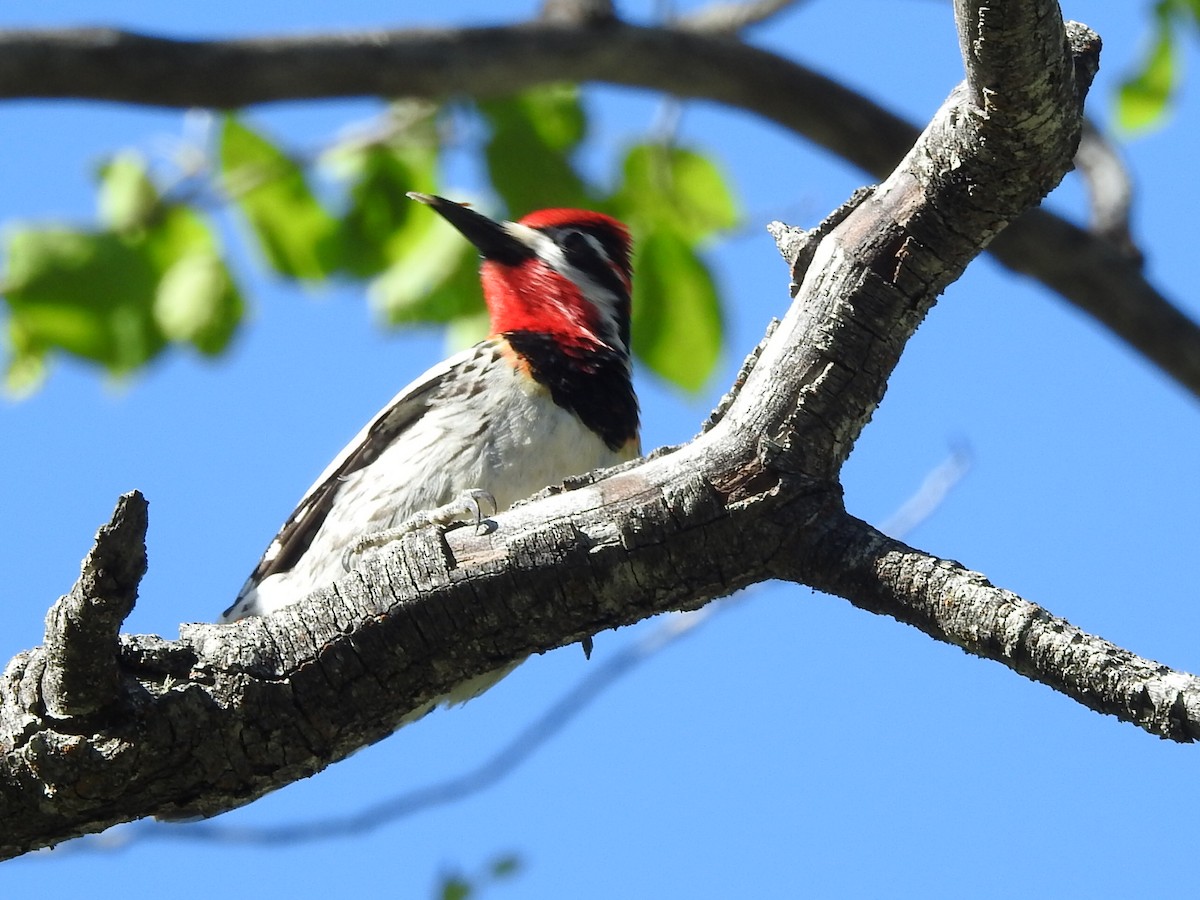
[(1110, 190), (723, 18), (930, 496)]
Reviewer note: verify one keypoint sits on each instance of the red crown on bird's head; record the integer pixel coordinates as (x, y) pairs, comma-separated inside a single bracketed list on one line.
[(612, 233)]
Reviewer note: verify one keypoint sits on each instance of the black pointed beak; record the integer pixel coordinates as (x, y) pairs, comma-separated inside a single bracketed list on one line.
[(491, 238)]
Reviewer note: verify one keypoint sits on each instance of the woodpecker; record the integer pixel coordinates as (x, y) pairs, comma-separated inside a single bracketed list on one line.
[(548, 395)]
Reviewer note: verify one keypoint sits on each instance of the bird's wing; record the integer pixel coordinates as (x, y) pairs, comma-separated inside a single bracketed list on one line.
[(406, 408)]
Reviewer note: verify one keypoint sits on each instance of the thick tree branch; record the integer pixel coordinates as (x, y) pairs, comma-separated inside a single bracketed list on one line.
[(104, 64), (227, 713)]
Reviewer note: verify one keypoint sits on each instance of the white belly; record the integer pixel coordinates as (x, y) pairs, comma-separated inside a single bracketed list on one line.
[(506, 437)]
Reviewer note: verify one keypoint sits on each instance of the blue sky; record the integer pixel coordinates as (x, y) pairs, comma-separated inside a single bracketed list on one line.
[(792, 745)]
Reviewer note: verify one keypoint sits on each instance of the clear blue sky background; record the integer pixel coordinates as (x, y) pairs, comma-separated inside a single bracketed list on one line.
[(793, 746)]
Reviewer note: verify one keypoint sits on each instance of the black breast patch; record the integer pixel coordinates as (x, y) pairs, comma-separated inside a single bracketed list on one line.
[(591, 382)]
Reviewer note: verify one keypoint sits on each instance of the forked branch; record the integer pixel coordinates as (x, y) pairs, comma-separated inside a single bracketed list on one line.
[(228, 713)]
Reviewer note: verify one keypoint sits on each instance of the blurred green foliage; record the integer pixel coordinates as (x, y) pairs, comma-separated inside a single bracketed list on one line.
[(151, 274), (1144, 98), (457, 886)]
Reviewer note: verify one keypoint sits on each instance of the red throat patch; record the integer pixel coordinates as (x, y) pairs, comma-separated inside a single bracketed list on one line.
[(533, 297)]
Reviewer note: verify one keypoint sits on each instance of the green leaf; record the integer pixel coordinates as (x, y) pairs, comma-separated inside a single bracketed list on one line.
[(84, 292), (197, 302), (295, 233), (1144, 97), (127, 197), (178, 231), (455, 887), (435, 280), (26, 370), (529, 152), (676, 189), (674, 199), (554, 114), (677, 326), (1183, 8), (116, 298), (376, 227), (506, 866), (467, 330)]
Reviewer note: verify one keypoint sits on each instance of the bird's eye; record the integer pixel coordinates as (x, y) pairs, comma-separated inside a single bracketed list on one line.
[(577, 243)]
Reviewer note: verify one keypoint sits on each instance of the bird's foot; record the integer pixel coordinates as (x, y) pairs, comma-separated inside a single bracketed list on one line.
[(466, 507)]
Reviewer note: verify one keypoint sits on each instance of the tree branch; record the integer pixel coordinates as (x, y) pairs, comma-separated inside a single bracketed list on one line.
[(578, 12), (1110, 191), (227, 713), (81, 675), (732, 18), (953, 604), (599, 678), (106, 64)]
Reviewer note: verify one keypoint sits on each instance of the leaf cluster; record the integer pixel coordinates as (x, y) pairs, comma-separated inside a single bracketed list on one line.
[(151, 273)]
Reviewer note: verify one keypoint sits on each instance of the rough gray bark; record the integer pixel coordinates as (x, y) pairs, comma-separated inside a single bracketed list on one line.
[(227, 713), (578, 42), (81, 675)]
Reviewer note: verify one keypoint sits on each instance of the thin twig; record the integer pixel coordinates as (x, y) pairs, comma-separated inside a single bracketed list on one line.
[(930, 496), (732, 18), (1110, 190)]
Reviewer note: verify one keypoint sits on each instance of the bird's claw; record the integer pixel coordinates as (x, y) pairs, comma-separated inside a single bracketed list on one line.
[(469, 504), (474, 500)]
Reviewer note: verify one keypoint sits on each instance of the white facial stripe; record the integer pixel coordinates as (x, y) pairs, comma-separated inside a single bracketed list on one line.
[(552, 254), (597, 246)]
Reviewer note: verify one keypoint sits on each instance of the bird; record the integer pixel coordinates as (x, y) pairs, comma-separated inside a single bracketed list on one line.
[(547, 396)]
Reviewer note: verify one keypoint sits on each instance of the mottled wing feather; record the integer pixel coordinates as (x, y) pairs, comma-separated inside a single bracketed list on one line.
[(302, 525)]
